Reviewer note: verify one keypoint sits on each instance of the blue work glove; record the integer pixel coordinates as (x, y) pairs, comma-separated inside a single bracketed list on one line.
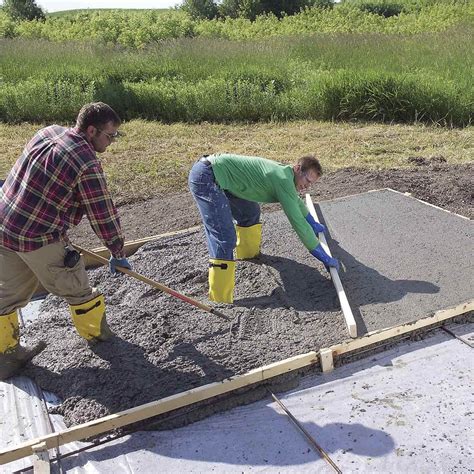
[(317, 227), (118, 262), (322, 256)]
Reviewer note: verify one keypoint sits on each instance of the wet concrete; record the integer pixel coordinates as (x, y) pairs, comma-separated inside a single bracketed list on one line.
[(403, 259), (285, 305), (399, 263)]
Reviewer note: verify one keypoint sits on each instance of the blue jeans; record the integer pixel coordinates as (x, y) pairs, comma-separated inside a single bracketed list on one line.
[(218, 211)]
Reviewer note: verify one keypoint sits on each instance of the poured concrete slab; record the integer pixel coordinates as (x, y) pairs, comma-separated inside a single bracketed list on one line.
[(373, 415), (402, 259), (285, 304)]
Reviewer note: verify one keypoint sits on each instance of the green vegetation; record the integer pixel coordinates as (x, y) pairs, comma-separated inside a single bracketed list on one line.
[(250, 9), (89, 11), (22, 10), (345, 63), (139, 28), (155, 158)]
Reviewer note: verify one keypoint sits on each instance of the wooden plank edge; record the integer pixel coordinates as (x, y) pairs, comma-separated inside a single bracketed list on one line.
[(149, 410), (408, 194), (205, 392), (341, 198), (383, 335), (41, 464), (341, 294), (131, 246), (326, 358)]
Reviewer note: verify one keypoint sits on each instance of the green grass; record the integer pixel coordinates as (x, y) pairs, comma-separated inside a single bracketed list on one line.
[(154, 158), (335, 64), (424, 78)]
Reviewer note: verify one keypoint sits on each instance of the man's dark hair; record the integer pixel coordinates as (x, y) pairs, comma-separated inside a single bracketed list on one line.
[(97, 114), (310, 162)]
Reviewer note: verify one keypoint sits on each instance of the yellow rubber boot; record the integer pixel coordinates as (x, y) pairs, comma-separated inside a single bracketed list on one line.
[(221, 280), (248, 241), (9, 332), (13, 356), (89, 319)]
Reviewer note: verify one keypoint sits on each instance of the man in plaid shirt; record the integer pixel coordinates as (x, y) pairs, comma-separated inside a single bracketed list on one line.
[(57, 180)]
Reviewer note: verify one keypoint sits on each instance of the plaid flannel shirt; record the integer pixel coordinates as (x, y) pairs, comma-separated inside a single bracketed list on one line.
[(57, 180)]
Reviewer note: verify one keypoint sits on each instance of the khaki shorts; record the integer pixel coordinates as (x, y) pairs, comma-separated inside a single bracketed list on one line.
[(20, 273)]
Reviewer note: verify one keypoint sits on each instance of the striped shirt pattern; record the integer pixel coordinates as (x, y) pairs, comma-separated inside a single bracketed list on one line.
[(57, 180)]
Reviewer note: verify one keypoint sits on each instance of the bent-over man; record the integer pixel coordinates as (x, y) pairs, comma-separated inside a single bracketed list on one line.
[(229, 188)]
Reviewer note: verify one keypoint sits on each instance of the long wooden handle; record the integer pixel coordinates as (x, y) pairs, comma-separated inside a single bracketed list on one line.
[(341, 294), (155, 284)]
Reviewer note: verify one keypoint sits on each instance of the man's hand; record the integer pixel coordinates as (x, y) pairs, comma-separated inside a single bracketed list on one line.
[(118, 262), (322, 256), (317, 227)]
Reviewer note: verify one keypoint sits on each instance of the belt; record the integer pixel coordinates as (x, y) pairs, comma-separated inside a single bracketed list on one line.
[(204, 159)]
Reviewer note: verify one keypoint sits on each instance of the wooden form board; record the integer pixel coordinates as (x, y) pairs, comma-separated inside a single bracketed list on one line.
[(149, 410), (427, 203), (383, 335), (341, 294), (132, 246), (41, 464), (126, 417)]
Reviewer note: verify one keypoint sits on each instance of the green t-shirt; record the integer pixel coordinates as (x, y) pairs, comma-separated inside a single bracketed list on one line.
[(260, 180)]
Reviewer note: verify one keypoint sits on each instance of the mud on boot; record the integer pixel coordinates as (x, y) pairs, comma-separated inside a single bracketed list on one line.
[(12, 361)]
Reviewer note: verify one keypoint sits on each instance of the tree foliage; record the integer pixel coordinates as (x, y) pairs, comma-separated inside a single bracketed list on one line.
[(200, 9), (23, 10), (384, 9), (249, 9)]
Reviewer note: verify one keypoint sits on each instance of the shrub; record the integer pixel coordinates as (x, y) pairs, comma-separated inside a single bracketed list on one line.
[(39, 100), (384, 9), (7, 26), (200, 9)]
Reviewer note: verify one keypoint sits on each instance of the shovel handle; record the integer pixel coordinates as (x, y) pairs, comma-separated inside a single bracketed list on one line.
[(154, 284)]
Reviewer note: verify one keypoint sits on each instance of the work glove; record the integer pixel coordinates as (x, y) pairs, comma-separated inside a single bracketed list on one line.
[(118, 262), (322, 256), (317, 227)]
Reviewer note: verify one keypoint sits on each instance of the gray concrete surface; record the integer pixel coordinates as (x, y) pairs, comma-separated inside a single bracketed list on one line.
[(403, 259)]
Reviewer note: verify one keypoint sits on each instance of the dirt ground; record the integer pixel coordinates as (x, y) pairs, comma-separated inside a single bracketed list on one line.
[(448, 186), (284, 302)]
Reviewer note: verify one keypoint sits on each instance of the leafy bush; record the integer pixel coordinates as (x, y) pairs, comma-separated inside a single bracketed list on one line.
[(251, 9), (138, 29), (200, 9), (7, 26), (384, 9)]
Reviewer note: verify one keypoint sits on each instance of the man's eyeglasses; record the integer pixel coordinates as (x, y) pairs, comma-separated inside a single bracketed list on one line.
[(111, 136), (305, 176)]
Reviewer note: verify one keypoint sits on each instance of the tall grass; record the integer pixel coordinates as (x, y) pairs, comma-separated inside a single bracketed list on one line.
[(393, 77)]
